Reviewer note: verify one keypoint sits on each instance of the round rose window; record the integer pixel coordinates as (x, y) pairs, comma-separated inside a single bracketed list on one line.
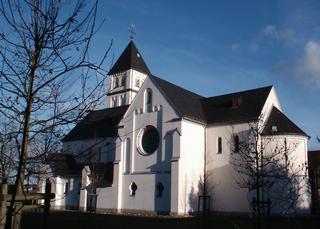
[(148, 140)]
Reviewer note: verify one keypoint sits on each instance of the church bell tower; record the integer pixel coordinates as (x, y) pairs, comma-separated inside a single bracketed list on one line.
[(126, 77)]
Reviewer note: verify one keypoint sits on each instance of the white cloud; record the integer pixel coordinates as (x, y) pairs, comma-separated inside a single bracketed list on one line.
[(309, 66), (286, 35), (312, 58), (305, 69)]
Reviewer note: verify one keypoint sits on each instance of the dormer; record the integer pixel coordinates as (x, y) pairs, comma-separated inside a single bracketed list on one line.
[(126, 76)]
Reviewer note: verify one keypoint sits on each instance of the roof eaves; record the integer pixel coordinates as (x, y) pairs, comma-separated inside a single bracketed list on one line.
[(229, 122), (194, 119), (279, 133)]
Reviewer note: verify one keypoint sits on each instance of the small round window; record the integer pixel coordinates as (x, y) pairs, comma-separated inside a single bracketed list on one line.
[(148, 140)]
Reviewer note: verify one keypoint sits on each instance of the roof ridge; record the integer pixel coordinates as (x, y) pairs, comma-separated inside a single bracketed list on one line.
[(240, 92), (151, 75)]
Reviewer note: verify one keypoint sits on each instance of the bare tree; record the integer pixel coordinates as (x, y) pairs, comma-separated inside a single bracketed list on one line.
[(47, 80), (8, 151), (266, 167)]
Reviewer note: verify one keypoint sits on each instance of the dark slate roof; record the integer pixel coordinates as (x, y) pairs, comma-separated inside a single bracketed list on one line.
[(283, 124), (235, 107), (64, 164), (130, 59), (313, 159), (217, 109), (187, 103), (97, 124)]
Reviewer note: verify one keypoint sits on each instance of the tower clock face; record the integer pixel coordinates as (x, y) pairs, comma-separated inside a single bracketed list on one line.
[(148, 140)]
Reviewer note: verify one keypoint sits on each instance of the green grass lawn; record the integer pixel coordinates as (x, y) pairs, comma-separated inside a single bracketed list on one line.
[(79, 220)]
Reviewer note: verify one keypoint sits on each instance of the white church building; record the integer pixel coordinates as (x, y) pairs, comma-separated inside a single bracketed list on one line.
[(157, 144)]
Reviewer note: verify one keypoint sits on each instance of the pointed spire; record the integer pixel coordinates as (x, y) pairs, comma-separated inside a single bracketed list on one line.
[(130, 59)]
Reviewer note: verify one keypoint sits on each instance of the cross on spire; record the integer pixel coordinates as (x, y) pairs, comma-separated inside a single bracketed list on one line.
[(132, 31)]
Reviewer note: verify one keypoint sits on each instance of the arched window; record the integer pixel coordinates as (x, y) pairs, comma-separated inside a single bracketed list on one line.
[(236, 143), (160, 188), (148, 100), (123, 81), (114, 101), (66, 187), (116, 82), (123, 100), (219, 145), (133, 188), (127, 154), (149, 96), (137, 83)]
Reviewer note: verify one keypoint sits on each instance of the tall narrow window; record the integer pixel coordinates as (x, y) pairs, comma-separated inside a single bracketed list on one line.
[(116, 84), (123, 100), (114, 101), (137, 83), (71, 184), (148, 100), (219, 145), (123, 81), (66, 187), (149, 97), (236, 144), (127, 158)]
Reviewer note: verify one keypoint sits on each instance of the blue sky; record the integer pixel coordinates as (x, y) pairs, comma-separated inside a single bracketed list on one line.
[(217, 47)]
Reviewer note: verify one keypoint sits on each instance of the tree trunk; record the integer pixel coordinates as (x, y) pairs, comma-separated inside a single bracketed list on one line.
[(16, 209), (258, 191), (3, 203), (18, 187)]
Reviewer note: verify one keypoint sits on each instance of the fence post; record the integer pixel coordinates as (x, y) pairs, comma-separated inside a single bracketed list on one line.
[(3, 203), (46, 204)]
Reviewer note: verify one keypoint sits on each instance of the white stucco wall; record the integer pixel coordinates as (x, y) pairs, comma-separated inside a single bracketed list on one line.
[(191, 166), (106, 198), (65, 198), (227, 194), (82, 149), (296, 149), (147, 170)]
